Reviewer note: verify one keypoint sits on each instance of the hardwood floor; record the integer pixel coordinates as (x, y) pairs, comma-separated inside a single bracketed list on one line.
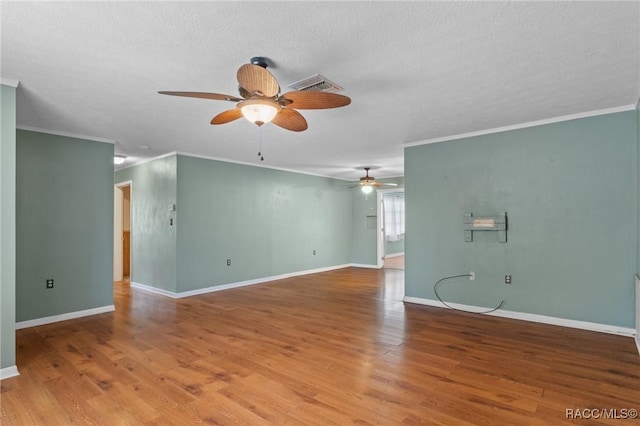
[(396, 262), (338, 347)]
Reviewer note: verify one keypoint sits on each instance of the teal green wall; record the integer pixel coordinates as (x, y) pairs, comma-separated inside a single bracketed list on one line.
[(638, 195), (267, 222), (364, 250), (393, 247), (7, 226), (153, 238), (363, 219), (64, 224), (570, 191)]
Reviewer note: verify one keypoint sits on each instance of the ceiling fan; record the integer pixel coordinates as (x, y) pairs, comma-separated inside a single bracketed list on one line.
[(261, 101), (367, 183)]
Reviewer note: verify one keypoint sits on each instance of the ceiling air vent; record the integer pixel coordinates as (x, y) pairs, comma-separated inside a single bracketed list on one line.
[(317, 83)]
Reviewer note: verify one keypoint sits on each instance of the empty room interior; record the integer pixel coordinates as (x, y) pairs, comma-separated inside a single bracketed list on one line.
[(320, 213)]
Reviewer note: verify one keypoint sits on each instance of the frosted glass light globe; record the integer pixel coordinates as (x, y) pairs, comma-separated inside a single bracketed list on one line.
[(367, 189)]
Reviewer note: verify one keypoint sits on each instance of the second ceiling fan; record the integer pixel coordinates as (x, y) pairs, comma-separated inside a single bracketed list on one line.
[(261, 101), (368, 183)]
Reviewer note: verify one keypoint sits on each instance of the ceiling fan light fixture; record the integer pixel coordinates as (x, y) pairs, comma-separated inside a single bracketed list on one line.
[(259, 111), (367, 189)]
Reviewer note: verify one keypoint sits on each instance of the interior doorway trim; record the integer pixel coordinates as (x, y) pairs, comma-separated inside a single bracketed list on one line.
[(379, 232), (118, 227)]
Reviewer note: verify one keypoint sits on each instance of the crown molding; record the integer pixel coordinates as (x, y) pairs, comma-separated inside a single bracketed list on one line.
[(246, 163), (66, 134), (552, 120), (226, 160), (9, 82), (146, 160)]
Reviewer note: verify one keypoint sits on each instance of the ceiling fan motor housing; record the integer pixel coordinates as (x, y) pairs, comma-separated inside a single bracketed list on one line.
[(260, 61)]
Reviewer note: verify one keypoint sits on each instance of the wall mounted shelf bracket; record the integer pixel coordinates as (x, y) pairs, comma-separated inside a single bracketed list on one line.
[(485, 223)]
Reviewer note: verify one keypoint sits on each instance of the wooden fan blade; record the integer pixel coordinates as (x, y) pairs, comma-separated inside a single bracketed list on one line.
[(254, 78), (290, 119), (227, 116), (314, 100), (203, 95), (244, 92)]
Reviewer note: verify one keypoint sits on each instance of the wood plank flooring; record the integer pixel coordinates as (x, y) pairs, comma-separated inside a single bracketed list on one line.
[(338, 347), (396, 262)]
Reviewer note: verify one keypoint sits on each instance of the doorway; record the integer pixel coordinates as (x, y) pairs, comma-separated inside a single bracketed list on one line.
[(122, 232), (391, 229)]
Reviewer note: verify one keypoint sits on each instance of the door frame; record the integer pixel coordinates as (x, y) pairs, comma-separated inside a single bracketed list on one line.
[(118, 228), (380, 226)]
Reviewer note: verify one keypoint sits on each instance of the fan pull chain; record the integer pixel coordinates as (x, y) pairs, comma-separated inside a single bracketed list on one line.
[(260, 146)]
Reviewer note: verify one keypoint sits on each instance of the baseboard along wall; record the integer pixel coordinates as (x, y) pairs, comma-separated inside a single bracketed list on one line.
[(523, 316), (221, 287), (64, 317), (388, 256), (8, 372), (364, 265)]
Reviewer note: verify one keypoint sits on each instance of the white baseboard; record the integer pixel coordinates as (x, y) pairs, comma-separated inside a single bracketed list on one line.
[(152, 289), (388, 256), (583, 325), (64, 317), (221, 287), (364, 265), (7, 372)]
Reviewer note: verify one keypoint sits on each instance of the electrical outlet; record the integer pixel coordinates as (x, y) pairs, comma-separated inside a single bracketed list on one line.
[(507, 279), (314, 252), (50, 283), (472, 275), (228, 262)]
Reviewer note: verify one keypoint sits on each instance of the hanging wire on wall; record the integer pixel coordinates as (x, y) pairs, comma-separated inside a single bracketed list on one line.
[(435, 290)]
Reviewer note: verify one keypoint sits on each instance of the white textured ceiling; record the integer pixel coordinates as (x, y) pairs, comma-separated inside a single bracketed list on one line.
[(414, 71)]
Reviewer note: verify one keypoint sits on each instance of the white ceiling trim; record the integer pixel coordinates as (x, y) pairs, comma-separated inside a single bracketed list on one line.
[(9, 82), (560, 119), (225, 160), (146, 160), (66, 134), (244, 163)]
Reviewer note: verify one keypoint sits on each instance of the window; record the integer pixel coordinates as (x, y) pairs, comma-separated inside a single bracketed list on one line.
[(394, 216)]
